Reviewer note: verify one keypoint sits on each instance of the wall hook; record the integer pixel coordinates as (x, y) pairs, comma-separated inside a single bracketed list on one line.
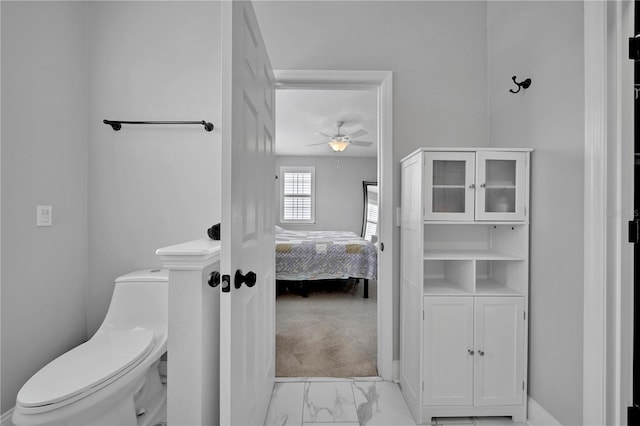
[(522, 85)]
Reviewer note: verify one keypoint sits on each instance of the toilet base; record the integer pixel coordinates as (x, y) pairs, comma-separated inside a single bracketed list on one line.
[(148, 398)]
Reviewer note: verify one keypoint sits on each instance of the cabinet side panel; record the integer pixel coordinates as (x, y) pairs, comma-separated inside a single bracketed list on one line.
[(411, 289)]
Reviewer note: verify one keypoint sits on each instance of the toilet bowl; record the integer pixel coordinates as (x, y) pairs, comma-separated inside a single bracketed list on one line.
[(113, 378)]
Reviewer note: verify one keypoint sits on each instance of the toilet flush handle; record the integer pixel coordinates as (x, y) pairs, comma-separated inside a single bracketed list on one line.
[(214, 279)]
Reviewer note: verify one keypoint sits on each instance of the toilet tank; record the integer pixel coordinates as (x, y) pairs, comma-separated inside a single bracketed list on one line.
[(140, 299)]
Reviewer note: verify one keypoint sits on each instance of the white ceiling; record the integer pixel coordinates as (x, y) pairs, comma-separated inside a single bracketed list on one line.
[(301, 113)]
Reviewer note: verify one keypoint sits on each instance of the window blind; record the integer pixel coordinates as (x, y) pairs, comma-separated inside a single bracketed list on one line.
[(297, 196)]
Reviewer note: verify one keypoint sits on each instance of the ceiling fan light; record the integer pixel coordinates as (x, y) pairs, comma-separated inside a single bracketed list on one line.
[(338, 145)]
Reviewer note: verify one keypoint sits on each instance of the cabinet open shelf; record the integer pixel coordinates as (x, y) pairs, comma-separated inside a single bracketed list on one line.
[(442, 287), (488, 287), (469, 277), (468, 254)]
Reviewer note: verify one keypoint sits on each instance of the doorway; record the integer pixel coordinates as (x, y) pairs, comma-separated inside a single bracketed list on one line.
[(380, 83)]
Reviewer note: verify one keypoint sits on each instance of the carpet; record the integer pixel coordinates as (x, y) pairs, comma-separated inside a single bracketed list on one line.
[(330, 333)]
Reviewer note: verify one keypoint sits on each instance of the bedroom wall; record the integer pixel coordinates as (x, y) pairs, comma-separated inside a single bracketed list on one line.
[(549, 116), (44, 161), (150, 186), (339, 199), (436, 50)]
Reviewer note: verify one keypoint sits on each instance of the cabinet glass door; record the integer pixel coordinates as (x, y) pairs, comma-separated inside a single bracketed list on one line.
[(449, 185), (500, 179)]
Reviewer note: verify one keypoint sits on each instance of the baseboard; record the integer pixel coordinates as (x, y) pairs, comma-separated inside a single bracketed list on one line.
[(395, 371), (538, 416), (5, 419)]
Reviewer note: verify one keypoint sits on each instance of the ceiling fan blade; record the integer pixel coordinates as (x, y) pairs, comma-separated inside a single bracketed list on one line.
[(323, 134), (315, 144), (361, 143), (358, 133)]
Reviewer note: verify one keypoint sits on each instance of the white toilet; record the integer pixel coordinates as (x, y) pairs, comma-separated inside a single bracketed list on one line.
[(113, 379)]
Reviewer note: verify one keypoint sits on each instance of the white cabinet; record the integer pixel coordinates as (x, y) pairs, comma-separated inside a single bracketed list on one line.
[(464, 282), (473, 351), (479, 185)]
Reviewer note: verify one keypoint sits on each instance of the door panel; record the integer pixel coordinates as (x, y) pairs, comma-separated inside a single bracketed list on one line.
[(500, 193), (449, 179), (448, 351), (247, 316), (499, 346)]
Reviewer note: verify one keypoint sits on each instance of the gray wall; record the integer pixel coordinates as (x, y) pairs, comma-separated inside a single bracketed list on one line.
[(116, 196), (544, 41), (339, 196), (44, 161), (150, 186), (436, 50)]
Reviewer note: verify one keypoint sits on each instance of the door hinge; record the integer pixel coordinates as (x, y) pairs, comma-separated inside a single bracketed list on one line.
[(634, 231), (634, 48), (523, 385), (525, 210), (524, 315), (422, 315)]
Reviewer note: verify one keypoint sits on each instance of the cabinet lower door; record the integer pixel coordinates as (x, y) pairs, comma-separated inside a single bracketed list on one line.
[(448, 351), (499, 344)]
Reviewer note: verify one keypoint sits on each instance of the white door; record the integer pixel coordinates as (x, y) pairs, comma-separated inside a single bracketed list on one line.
[(448, 351), (247, 317), (501, 185), (499, 345), (449, 185), (411, 290)]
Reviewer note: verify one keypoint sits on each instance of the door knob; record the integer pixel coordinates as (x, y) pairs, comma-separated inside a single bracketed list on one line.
[(481, 353), (249, 279), (470, 352)]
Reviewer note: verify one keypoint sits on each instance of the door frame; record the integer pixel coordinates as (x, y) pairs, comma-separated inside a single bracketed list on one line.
[(608, 199), (381, 81)]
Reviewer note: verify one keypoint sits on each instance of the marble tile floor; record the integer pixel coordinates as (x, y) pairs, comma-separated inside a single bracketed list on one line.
[(368, 402)]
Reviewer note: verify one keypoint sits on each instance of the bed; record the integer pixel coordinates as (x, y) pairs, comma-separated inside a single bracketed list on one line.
[(323, 255)]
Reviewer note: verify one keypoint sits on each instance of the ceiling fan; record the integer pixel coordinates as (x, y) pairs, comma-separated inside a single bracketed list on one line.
[(339, 142)]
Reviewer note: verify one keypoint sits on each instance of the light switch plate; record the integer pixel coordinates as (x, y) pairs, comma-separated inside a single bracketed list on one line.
[(44, 215)]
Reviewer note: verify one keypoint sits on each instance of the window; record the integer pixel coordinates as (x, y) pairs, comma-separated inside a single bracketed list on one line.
[(370, 214), (372, 222), (297, 191)]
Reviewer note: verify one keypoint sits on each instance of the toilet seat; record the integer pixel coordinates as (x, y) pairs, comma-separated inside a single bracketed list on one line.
[(86, 368)]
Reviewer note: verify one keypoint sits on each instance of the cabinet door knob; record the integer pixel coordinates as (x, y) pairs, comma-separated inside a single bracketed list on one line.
[(481, 353), (483, 185), (470, 352), (472, 186)]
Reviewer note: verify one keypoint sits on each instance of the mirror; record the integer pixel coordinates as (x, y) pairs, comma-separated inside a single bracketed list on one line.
[(370, 211)]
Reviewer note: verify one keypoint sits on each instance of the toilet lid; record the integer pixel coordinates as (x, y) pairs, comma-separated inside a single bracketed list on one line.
[(86, 366)]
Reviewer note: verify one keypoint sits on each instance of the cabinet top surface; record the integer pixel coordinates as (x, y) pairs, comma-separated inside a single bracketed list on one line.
[(466, 149)]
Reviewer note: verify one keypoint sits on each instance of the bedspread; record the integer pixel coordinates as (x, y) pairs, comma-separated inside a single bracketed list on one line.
[(316, 255)]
